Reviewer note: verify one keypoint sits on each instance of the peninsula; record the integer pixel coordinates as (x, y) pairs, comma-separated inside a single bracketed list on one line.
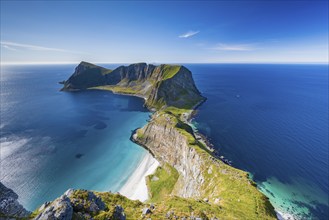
[(191, 182)]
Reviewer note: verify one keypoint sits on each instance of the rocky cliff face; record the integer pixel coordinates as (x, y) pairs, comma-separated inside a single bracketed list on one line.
[(161, 86), (169, 143), (86, 75), (129, 75), (9, 206), (178, 90)]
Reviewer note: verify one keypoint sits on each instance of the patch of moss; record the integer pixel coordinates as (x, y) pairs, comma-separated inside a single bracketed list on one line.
[(132, 208), (118, 89), (161, 182), (170, 70), (140, 134), (177, 111)]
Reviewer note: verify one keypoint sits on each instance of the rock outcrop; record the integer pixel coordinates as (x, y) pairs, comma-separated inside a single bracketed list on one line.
[(9, 206), (61, 208), (86, 75), (167, 138), (76, 204), (161, 86)]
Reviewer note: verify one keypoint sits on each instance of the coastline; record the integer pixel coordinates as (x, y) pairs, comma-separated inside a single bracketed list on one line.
[(174, 120), (135, 188)]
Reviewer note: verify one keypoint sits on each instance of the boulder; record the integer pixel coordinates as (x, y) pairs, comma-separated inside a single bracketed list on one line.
[(119, 213), (60, 209)]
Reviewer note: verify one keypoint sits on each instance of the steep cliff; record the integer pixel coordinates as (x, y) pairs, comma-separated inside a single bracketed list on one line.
[(86, 75), (9, 206), (161, 86)]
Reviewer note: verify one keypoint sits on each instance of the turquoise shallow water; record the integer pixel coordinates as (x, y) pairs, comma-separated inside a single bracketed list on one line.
[(52, 141), (272, 121)]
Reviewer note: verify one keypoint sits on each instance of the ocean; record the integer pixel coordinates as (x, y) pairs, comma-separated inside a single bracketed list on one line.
[(269, 120), (272, 121), (52, 141)]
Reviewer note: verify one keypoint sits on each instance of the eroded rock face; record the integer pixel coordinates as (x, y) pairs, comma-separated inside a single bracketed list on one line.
[(168, 145), (179, 91), (9, 206), (86, 75)]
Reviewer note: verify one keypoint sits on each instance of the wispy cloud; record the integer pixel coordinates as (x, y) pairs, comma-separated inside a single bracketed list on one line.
[(8, 48), (16, 46), (234, 47), (188, 34)]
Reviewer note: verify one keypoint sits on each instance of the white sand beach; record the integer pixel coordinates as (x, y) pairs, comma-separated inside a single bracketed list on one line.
[(135, 188)]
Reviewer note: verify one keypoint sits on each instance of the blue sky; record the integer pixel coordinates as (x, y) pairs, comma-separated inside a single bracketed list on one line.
[(171, 32)]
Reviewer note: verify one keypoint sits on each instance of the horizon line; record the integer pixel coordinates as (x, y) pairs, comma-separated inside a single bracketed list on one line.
[(241, 62)]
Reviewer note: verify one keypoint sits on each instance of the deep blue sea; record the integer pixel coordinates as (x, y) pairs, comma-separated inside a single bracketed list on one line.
[(270, 120), (52, 141)]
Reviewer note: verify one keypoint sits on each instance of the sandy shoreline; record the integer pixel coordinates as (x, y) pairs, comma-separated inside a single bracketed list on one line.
[(135, 188)]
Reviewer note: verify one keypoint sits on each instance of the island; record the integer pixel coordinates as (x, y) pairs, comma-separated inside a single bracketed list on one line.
[(191, 181)]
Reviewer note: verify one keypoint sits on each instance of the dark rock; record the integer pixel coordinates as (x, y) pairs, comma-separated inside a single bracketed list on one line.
[(146, 211), (86, 75), (43, 206), (119, 213), (9, 206)]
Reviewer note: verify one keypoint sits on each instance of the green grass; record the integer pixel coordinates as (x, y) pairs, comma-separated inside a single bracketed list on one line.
[(177, 111), (163, 186), (187, 207), (132, 208), (169, 71), (180, 207), (118, 89), (140, 134)]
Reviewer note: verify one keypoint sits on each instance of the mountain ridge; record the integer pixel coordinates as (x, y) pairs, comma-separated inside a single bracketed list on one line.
[(153, 83)]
